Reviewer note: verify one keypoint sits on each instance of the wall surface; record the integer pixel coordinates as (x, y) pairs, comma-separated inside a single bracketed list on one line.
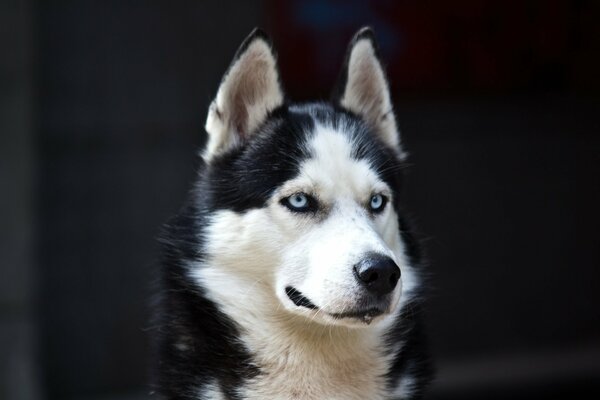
[(18, 375)]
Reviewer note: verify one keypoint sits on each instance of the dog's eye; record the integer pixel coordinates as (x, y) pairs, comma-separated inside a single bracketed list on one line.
[(299, 202), (377, 202)]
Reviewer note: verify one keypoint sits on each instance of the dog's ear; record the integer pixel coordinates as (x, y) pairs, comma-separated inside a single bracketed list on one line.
[(249, 90), (362, 88)]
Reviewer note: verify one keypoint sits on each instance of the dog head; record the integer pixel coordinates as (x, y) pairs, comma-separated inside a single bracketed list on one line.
[(302, 200)]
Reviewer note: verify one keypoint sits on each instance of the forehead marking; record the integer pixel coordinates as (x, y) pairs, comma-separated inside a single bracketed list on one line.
[(332, 168)]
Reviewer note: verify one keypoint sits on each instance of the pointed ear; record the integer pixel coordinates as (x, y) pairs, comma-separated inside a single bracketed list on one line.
[(249, 90), (363, 88)]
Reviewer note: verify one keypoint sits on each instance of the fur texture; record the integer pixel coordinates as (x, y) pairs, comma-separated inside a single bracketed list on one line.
[(263, 295)]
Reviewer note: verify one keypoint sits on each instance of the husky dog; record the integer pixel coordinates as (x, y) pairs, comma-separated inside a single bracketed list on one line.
[(291, 273)]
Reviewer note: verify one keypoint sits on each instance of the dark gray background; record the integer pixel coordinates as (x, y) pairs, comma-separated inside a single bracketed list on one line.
[(102, 108)]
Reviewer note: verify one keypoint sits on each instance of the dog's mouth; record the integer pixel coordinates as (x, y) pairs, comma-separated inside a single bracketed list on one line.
[(364, 315), (298, 298)]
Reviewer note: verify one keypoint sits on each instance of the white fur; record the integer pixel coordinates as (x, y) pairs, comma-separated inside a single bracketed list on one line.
[(405, 387), (253, 256), (212, 391)]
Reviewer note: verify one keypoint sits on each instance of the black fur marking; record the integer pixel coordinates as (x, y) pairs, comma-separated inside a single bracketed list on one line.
[(411, 244), (413, 360), (245, 177)]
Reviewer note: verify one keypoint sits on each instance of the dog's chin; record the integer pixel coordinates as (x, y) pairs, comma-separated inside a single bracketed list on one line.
[(356, 316)]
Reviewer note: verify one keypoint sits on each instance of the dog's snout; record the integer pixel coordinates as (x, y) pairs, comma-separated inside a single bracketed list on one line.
[(377, 273)]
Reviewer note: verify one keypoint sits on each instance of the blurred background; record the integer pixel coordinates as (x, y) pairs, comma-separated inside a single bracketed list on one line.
[(102, 107)]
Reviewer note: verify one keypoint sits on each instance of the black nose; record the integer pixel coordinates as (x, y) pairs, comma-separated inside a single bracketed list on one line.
[(377, 273)]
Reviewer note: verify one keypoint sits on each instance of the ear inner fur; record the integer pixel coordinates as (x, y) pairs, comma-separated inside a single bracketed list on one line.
[(250, 89), (363, 88)]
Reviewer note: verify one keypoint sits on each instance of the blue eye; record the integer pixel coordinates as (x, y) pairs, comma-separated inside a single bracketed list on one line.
[(299, 202), (377, 202)]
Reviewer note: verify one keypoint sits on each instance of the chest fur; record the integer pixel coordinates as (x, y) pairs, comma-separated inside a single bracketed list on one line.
[(341, 365)]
